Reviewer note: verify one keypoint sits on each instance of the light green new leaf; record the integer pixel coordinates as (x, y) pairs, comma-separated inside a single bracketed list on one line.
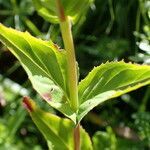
[(108, 81), (73, 8), (57, 131), (45, 65)]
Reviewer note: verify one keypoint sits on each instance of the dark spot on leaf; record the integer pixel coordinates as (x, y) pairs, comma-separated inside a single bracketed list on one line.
[(52, 89)]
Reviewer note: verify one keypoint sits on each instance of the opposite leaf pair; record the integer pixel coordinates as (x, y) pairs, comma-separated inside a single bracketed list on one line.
[(45, 65)]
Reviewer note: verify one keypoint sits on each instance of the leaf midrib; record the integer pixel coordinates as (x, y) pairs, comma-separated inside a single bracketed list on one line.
[(136, 79), (54, 52), (26, 56), (90, 93), (93, 87), (14, 45)]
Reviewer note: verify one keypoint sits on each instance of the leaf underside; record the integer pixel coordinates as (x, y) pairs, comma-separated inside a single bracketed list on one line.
[(45, 65)]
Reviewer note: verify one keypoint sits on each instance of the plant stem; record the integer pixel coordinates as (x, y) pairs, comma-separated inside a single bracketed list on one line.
[(77, 137), (65, 26)]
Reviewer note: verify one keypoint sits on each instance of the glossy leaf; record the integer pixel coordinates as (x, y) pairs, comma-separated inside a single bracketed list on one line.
[(57, 131), (45, 65), (73, 8), (108, 81)]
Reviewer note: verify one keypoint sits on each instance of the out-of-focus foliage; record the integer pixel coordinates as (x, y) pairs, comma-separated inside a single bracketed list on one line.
[(142, 125), (144, 46), (143, 36), (17, 130), (108, 140), (15, 12)]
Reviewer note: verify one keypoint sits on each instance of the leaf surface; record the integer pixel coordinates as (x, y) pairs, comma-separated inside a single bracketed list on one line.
[(108, 81), (73, 8), (45, 65), (57, 131)]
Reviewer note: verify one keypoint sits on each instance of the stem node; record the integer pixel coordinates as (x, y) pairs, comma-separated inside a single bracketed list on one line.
[(65, 26)]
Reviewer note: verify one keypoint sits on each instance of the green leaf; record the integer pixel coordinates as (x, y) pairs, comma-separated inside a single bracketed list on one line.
[(102, 140), (57, 131), (106, 141), (53, 95), (73, 8), (45, 65), (108, 81), (85, 140)]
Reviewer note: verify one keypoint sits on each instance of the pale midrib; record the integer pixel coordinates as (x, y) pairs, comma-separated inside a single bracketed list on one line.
[(134, 79), (123, 88), (44, 64), (82, 87), (112, 78), (63, 77), (126, 86), (137, 82), (26, 56), (91, 91), (32, 61), (90, 75), (107, 81), (93, 87), (36, 55), (87, 87)]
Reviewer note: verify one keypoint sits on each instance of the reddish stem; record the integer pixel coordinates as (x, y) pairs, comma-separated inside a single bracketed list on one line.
[(61, 12), (27, 104), (77, 137)]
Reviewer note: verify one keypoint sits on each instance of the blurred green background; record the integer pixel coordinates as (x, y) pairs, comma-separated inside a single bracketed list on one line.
[(111, 30)]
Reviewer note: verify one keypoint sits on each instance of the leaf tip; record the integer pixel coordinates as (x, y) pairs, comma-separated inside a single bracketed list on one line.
[(27, 103)]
